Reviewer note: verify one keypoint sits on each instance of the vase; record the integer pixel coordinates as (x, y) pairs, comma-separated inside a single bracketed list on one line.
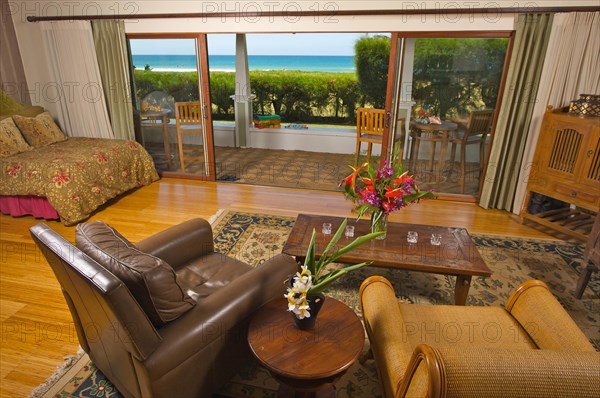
[(315, 302), (379, 222)]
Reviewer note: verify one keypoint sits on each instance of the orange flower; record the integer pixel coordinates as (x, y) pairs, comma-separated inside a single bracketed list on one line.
[(351, 179)]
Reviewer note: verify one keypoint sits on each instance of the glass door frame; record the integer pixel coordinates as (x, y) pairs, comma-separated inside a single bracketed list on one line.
[(396, 64), (203, 96)]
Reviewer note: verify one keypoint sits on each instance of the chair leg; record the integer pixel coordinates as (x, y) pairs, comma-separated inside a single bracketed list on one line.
[(462, 168), (180, 144), (357, 153), (584, 278), (481, 159), (369, 149), (452, 157)]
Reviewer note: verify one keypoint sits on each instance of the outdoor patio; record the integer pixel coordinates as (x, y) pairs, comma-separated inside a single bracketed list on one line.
[(302, 169)]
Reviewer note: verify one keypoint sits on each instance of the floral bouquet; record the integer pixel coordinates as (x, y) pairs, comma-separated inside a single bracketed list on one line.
[(382, 191), (423, 113), (309, 283)]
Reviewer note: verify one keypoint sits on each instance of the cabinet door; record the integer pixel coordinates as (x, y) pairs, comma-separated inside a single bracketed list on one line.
[(563, 147), (590, 173)]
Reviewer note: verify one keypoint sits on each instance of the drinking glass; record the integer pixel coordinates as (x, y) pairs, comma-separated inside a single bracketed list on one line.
[(326, 228), (412, 237), (436, 239), (349, 231)]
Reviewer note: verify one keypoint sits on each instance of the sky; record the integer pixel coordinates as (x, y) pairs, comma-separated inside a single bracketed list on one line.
[(258, 44)]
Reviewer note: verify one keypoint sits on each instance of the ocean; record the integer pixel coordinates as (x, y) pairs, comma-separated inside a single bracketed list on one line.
[(226, 63)]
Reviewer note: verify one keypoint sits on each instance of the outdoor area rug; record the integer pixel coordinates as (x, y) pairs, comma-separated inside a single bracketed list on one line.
[(254, 238)]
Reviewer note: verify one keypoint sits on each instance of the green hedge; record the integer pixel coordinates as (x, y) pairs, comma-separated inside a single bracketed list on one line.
[(297, 96)]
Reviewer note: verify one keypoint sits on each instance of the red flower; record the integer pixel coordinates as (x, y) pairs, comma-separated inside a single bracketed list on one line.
[(393, 193), (101, 158), (369, 181), (60, 180), (403, 179), (13, 170)]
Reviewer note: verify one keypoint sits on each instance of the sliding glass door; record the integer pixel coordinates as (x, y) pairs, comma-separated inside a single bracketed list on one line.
[(172, 102), (443, 96)]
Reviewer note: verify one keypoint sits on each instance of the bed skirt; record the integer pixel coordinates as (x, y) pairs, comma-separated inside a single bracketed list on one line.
[(36, 206)]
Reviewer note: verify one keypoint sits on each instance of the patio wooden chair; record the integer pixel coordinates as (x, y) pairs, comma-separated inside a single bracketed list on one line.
[(188, 121), (478, 127), (369, 128)]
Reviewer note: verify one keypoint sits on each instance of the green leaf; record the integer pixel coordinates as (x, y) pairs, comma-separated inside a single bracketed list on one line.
[(309, 262), (334, 240), (322, 283), (353, 245), (419, 195)]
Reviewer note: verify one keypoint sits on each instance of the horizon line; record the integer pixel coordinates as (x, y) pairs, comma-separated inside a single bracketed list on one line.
[(266, 55)]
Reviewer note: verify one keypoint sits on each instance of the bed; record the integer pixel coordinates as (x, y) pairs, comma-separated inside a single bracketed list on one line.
[(72, 177), (48, 175)]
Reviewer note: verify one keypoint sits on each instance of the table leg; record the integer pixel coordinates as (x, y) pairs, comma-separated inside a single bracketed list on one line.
[(442, 161), (461, 290), (431, 157), (166, 140)]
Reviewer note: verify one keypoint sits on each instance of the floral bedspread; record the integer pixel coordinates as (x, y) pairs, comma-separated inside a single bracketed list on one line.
[(77, 175)]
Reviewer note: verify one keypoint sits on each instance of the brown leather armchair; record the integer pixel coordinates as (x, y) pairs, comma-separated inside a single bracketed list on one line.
[(529, 348), (200, 345)]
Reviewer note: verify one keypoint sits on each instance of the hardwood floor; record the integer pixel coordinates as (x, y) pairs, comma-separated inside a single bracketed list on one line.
[(36, 326)]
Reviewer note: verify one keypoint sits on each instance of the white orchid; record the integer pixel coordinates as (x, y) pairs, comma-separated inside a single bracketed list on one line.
[(296, 294)]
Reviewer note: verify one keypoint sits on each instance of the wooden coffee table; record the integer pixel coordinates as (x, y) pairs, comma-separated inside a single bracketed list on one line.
[(457, 255), (306, 362)]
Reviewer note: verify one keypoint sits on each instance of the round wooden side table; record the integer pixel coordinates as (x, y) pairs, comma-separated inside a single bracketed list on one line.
[(432, 133), (306, 363)]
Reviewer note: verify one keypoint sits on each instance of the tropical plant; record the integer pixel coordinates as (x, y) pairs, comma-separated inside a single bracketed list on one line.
[(313, 277)]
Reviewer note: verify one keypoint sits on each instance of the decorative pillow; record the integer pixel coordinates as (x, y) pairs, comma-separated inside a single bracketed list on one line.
[(40, 130), (11, 140), (150, 280)]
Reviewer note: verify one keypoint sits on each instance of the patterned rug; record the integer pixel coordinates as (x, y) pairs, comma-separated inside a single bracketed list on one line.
[(253, 238)]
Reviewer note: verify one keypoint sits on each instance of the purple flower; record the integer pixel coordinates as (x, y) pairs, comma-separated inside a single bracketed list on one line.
[(371, 198), (385, 171)]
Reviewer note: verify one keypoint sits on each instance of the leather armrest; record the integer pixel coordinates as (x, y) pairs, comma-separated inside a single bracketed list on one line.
[(219, 313), (386, 330), (487, 372), (541, 315), (179, 244)]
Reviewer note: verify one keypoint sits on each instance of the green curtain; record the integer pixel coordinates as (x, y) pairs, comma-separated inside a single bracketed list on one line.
[(518, 102), (111, 50)]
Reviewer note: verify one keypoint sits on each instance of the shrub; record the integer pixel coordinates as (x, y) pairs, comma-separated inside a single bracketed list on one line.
[(372, 57), (297, 96)]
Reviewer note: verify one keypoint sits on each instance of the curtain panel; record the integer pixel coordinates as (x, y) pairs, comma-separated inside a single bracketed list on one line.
[(69, 46), (12, 73), (571, 67), (518, 102), (111, 50)]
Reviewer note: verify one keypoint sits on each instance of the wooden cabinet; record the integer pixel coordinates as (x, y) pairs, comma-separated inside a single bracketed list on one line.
[(566, 167)]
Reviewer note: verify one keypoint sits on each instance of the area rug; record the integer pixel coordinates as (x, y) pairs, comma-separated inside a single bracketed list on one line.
[(254, 238)]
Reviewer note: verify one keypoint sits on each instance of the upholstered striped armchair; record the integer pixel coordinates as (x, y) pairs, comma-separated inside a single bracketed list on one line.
[(529, 348)]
